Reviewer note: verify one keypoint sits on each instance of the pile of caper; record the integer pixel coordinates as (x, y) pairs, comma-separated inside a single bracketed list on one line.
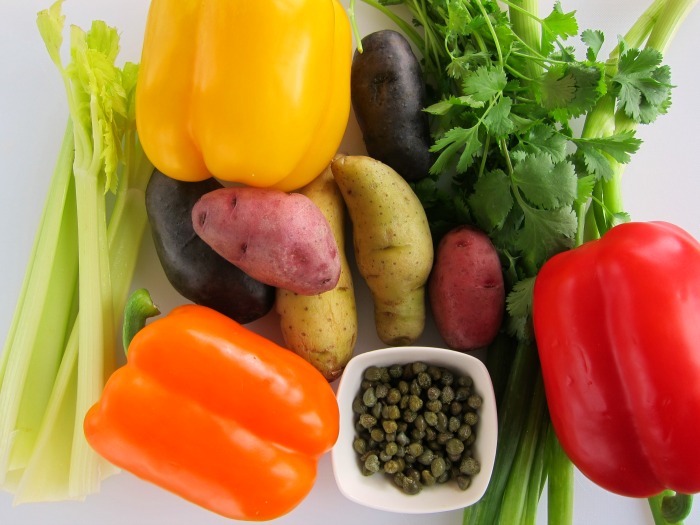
[(416, 423)]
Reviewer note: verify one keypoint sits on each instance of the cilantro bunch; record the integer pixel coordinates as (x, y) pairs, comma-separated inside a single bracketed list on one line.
[(532, 129)]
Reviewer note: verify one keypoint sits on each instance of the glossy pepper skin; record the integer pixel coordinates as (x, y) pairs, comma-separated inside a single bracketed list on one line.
[(216, 414), (617, 324), (256, 92)]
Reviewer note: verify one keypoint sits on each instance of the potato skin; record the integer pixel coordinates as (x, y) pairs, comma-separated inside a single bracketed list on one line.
[(388, 98), (466, 289), (196, 271), (322, 328), (281, 239), (392, 242)]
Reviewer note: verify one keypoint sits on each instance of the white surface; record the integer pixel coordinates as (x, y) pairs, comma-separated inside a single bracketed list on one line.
[(661, 183), (374, 491)]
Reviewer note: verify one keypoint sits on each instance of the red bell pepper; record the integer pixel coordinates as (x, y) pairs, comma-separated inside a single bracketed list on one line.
[(617, 324)]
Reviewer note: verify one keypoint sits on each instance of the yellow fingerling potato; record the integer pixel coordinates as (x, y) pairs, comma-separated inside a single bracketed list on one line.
[(322, 328), (393, 244)]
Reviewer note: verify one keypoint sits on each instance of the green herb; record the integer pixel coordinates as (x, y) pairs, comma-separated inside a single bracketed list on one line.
[(61, 342), (506, 87)]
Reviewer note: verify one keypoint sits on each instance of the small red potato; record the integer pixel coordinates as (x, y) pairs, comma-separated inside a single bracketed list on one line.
[(466, 289), (281, 239)]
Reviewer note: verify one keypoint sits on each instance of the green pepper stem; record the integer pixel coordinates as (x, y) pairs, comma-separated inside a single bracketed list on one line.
[(670, 507), (138, 309)]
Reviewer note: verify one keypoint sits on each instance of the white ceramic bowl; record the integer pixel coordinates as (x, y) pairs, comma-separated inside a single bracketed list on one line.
[(378, 491)]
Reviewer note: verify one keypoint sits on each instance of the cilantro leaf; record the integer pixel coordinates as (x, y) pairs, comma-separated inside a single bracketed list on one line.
[(519, 308), (594, 41), (557, 25), (543, 138), (546, 232), (491, 200), (484, 83), (574, 88), (584, 189), (597, 151), (452, 141), (497, 120), (544, 183), (642, 84)]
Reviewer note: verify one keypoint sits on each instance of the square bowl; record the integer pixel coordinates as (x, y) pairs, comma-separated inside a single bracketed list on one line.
[(378, 491)]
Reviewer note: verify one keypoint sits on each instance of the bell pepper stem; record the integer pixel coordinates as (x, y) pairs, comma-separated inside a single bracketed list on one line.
[(139, 308), (670, 507)]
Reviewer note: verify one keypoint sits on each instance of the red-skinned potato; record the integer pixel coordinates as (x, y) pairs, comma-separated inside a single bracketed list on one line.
[(466, 289), (281, 239)]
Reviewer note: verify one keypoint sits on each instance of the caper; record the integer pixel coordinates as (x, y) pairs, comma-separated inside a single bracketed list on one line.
[(465, 381), (391, 466), (438, 467), (441, 424), (434, 405), (427, 478), (368, 421), (369, 398), (377, 410), (389, 426), (433, 393), (454, 446), (426, 458), (462, 393), (474, 401), (419, 423), (411, 486), (471, 418), (395, 371), (463, 482), (415, 449), (360, 445), (358, 407), (372, 463), (430, 418), (377, 434), (409, 416), (447, 377), (393, 396), (418, 367), (414, 388), (373, 373), (456, 408), (444, 437), (391, 412), (435, 372), (391, 448), (415, 403), (417, 435), (469, 466), (453, 424), (464, 431), (403, 387), (424, 380), (447, 395)]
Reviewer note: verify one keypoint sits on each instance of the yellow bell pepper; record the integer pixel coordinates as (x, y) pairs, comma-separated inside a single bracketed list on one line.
[(255, 92)]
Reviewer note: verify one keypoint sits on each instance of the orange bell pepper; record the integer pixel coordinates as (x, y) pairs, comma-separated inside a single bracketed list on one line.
[(217, 414), (256, 92)]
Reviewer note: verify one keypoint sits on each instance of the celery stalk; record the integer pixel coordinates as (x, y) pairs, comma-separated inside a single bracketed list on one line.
[(35, 341), (54, 460), (514, 502)]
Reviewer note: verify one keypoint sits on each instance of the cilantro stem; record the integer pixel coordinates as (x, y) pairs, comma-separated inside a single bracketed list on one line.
[(497, 45)]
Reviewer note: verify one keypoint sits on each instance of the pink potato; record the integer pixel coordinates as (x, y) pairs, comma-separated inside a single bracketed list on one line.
[(281, 239), (466, 289)]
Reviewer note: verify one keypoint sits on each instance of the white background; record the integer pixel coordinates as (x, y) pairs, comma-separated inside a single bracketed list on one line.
[(661, 183)]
